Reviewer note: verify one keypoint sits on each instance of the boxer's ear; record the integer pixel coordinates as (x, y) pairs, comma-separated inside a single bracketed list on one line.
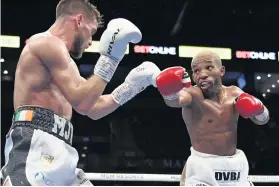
[(222, 70), (79, 20)]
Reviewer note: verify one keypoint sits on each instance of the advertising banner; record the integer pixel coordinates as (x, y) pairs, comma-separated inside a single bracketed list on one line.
[(191, 51), (160, 50), (9, 41), (258, 55)]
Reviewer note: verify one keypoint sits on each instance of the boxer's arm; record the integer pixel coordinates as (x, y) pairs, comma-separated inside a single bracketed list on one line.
[(184, 99), (53, 53), (171, 83), (135, 82), (104, 106), (249, 101)]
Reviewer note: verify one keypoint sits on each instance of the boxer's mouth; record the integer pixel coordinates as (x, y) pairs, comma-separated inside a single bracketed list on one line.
[(205, 84)]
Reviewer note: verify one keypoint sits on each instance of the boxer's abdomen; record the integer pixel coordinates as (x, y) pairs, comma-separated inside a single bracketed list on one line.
[(49, 98)]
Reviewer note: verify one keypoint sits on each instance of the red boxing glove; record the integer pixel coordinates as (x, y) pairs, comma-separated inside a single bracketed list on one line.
[(248, 106), (170, 81)]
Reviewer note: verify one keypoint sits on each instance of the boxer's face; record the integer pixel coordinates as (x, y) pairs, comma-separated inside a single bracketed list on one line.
[(207, 75), (83, 36)]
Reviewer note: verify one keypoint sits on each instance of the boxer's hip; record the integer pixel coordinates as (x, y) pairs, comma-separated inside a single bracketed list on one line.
[(38, 149), (217, 170)]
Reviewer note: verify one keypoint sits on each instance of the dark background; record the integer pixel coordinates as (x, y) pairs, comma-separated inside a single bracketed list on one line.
[(144, 135)]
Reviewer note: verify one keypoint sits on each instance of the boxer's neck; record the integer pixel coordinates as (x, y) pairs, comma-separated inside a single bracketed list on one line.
[(63, 30)]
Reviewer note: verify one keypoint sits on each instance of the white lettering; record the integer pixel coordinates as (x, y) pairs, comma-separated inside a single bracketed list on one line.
[(263, 55), (172, 50), (256, 55), (60, 123), (272, 56), (153, 50)]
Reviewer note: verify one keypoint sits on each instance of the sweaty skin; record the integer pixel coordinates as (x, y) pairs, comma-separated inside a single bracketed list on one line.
[(212, 125), (34, 85), (208, 108), (47, 77)]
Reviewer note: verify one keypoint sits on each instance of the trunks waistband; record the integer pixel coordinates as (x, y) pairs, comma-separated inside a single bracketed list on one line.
[(45, 120), (206, 155)]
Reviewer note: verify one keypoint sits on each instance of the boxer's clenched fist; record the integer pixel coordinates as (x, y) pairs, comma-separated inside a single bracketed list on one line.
[(171, 80), (136, 81), (142, 75), (113, 43), (114, 40), (248, 106)]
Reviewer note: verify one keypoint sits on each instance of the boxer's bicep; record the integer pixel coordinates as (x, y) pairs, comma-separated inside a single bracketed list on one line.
[(173, 103), (185, 98), (236, 91)]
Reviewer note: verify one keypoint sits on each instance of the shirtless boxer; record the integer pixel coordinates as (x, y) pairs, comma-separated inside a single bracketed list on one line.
[(210, 112), (48, 85)]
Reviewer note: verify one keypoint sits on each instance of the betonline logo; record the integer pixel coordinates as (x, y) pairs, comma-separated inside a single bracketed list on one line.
[(155, 50), (256, 55)]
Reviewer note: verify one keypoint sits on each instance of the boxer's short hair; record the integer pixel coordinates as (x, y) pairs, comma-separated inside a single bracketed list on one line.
[(70, 7), (207, 55)]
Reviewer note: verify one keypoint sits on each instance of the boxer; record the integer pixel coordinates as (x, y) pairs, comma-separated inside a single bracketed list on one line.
[(48, 86), (210, 112)]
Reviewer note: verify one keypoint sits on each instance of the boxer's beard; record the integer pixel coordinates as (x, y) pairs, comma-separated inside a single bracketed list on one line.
[(213, 90), (77, 50)]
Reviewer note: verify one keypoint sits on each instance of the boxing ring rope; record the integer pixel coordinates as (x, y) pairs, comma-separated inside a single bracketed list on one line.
[(165, 177)]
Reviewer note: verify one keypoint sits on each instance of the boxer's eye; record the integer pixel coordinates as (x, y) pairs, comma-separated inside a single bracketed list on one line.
[(210, 68)]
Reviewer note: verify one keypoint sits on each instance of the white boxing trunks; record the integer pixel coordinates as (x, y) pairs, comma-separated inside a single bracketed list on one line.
[(213, 170), (39, 151)]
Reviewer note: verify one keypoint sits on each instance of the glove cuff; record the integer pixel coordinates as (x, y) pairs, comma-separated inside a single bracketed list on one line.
[(263, 116), (105, 67), (123, 93), (171, 97)]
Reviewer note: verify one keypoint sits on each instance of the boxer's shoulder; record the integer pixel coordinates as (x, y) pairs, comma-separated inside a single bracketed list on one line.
[(43, 40), (195, 90), (233, 91), (48, 48)]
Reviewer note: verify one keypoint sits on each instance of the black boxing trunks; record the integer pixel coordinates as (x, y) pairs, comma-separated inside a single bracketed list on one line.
[(39, 150)]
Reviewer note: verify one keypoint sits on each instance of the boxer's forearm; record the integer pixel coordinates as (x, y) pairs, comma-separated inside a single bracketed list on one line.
[(173, 103), (183, 99), (104, 106), (89, 92), (261, 122)]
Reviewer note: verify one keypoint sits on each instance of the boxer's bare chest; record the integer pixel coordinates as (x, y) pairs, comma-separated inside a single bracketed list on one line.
[(210, 114), (36, 87), (212, 125)]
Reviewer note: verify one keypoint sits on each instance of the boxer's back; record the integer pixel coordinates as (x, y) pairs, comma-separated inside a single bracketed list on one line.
[(34, 85), (212, 126)]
